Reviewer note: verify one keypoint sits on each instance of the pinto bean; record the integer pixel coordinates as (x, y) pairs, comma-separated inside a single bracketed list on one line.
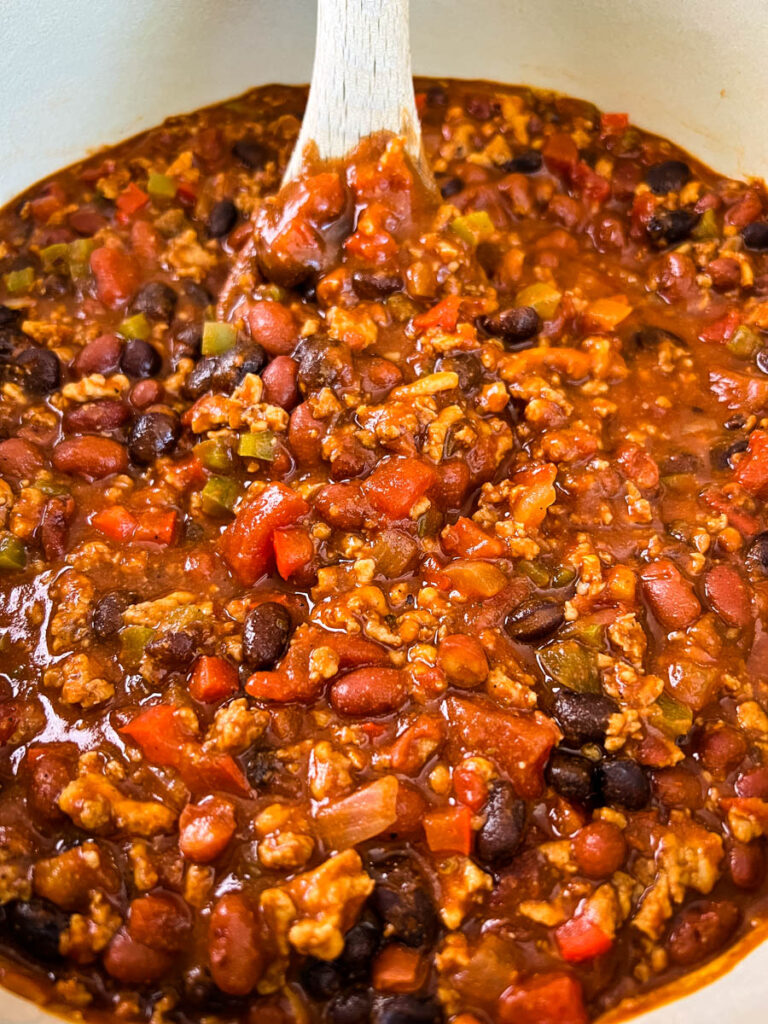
[(54, 526), (369, 691), (90, 457), (305, 435), (160, 920), (20, 460), (280, 385), (236, 958), (99, 356), (678, 787), (728, 595), (132, 962), (701, 930), (94, 417)]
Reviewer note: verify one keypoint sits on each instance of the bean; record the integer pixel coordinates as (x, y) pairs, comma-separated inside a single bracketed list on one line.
[(273, 327), (534, 620), (678, 787), (19, 459), (369, 691), (451, 187), (132, 962), (102, 355), (54, 526), (668, 176), (351, 1008), (222, 218), (500, 836), (409, 1010), (157, 300), (90, 457), (649, 338), (453, 481), (623, 782), (528, 162), (753, 783), (467, 367), (323, 364), (280, 384), (746, 863), (721, 748), (761, 360), (186, 340), (403, 903), (463, 660), (35, 926), (266, 632), (669, 595), (375, 284), (701, 930), (755, 235), (599, 849), (145, 393), (41, 370), (756, 558), (96, 417), (341, 505), (50, 773), (233, 366), (668, 227), (174, 648), (107, 615), (236, 959), (305, 435), (140, 359), (153, 434), (160, 920), (360, 945), (583, 717), (320, 979), (251, 152), (515, 325), (206, 829), (9, 316), (728, 595), (572, 776)]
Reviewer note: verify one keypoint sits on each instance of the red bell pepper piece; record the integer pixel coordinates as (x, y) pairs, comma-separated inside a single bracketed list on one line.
[(449, 830), (247, 543), (213, 679), (131, 199), (160, 733), (114, 522), (722, 330), (581, 939), (752, 470), (395, 486), (546, 999), (156, 526), (468, 540), (293, 550), (444, 315)]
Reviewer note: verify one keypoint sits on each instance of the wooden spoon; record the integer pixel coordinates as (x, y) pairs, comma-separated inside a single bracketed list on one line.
[(361, 83)]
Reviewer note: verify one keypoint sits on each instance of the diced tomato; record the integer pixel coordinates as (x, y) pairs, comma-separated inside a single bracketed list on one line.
[(744, 522), (51, 201), (444, 314), (470, 788), (213, 679), (449, 830), (752, 469), (247, 543), (613, 124), (130, 200), (116, 273), (581, 939), (293, 550), (114, 522), (560, 153), (187, 193), (518, 742), (160, 733), (638, 465), (533, 493), (156, 526), (468, 540), (394, 487), (669, 595), (545, 999), (205, 772), (722, 330), (398, 969), (593, 186), (186, 472)]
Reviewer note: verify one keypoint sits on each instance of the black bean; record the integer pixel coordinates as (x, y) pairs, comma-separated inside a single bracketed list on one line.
[(451, 187), (157, 300), (437, 96), (140, 359), (231, 367), (360, 945), (260, 765), (668, 176), (53, 286), (650, 338), (36, 926), (468, 368), (409, 1010), (266, 632), (515, 325), (755, 235), (722, 454), (41, 370), (320, 979), (107, 614), (680, 462), (757, 554), (625, 783), (350, 1008), (535, 620), (583, 717), (524, 163), (405, 907), (254, 154), (323, 364), (375, 284), (479, 107), (200, 378), (761, 360), (9, 316), (197, 294), (502, 832), (174, 649), (152, 434), (186, 340), (222, 218), (668, 227), (572, 776)]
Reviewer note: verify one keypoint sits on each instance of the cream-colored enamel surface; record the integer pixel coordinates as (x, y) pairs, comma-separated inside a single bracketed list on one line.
[(77, 74)]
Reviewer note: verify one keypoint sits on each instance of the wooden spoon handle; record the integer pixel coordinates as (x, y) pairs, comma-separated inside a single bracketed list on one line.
[(361, 80)]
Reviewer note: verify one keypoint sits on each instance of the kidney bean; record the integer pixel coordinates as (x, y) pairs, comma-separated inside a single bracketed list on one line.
[(36, 926), (90, 457), (721, 748), (753, 783), (746, 863), (41, 370), (160, 920), (369, 691), (500, 836), (132, 962), (266, 632), (463, 660), (99, 356), (350, 1008), (572, 776), (86, 222), (669, 595), (341, 505), (305, 435), (20, 460), (50, 773), (534, 620), (100, 415), (728, 595), (236, 958), (757, 554), (701, 930), (116, 273), (145, 392), (599, 849), (350, 458), (583, 717), (140, 359), (156, 300), (453, 481), (725, 273), (205, 829), (280, 385), (54, 526), (153, 434), (378, 376), (623, 782), (677, 787), (410, 808), (273, 327)]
